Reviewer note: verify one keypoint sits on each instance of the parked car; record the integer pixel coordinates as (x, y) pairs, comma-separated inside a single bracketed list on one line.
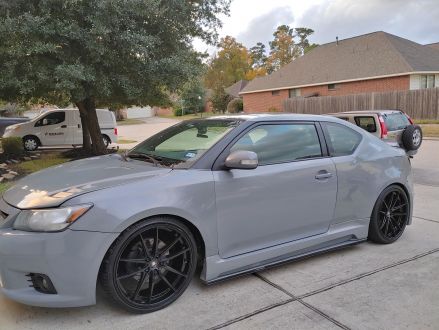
[(393, 126), (8, 121), (231, 195), (61, 127)]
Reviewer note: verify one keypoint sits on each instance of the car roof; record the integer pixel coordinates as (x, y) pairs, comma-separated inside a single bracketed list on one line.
[(275, 117), (365, 112)]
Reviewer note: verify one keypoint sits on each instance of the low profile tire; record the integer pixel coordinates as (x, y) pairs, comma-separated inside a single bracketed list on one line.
[(107, 141), (412, 137), (389, 216), (30, 143), (150, 265)]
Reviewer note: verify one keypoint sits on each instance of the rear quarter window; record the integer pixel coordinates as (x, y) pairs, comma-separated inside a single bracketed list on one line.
[(342, 140), (367, 123)]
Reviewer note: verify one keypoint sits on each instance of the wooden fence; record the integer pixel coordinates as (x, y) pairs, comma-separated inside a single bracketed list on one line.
[(419, 104)]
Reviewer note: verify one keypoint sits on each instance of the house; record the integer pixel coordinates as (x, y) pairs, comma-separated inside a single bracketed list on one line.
[(236, 88), (374, 62)]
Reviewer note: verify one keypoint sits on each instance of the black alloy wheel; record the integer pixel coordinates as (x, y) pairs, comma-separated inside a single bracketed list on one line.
[(150, 265), (390, 215)]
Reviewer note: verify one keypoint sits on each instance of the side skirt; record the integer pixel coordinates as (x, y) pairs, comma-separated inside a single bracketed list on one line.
[(300, 256)]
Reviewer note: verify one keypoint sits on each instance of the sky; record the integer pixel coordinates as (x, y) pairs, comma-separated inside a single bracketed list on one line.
[(251, 21)]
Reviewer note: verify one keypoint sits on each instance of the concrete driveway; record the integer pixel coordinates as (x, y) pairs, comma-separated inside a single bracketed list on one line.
[(140, 132), (367, 286)]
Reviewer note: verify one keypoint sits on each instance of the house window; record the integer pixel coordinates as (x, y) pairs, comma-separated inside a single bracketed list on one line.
[(332, 87), (427, 81), (275, 93), (293, 92)]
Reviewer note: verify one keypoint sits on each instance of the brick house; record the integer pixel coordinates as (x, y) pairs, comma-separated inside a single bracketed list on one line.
[(375, 62)]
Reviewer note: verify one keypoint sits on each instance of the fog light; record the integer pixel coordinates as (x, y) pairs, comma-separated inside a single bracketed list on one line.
[(42, 283)]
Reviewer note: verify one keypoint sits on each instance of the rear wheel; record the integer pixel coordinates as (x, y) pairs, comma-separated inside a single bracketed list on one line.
[(390, 215), (107, 141), (150, 265), (30, 143)]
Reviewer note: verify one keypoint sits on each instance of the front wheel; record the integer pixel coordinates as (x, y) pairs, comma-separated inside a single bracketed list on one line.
[(150, 265), (30, 143), (390, 215)]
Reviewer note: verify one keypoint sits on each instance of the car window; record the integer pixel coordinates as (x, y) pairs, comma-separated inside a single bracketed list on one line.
[(342, 140), (52, 118), (395, 121), (367, 123), (281, 143)]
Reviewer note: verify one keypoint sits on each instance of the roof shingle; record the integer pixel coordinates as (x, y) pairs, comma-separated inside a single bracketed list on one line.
[(375, 54)]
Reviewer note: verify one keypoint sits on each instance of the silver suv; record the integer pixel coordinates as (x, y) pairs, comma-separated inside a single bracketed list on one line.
[(393, 126)]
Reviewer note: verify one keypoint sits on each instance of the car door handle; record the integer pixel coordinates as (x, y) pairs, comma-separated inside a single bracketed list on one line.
[(323, 175), (63, 126)]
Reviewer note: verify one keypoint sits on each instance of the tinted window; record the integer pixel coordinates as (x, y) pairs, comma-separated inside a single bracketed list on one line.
[(51, 119), (342, 140), (281, 143), (366, 123), (396, 121)]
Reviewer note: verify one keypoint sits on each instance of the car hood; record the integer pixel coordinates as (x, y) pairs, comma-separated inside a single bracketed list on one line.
[(53, 186)]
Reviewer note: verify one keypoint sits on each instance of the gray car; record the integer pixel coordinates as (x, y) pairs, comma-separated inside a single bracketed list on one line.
[(227, 195)]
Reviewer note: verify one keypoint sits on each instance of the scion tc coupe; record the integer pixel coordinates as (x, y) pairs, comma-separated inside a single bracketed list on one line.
[(228, 195)]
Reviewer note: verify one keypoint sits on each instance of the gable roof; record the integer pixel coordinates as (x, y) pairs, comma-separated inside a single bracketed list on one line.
[(236, 88), (434, 45), (367, 56)]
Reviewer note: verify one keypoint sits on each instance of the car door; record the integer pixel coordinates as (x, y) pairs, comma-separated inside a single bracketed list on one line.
[(289, 196), (76, 127), (51, 129)]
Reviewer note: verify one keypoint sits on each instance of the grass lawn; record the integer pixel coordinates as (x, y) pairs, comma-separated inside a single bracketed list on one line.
[(426, 121), (430, 130), (129, 122), (4, 186), (123, 141), (46, 160)]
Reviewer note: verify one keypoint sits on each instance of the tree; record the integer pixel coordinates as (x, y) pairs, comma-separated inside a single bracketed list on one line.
[(220, 99), (100, 52), (284, 48), (258, 56), (193, 96)]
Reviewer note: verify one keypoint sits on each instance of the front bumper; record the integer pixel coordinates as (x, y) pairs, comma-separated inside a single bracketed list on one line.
[(70, 258)]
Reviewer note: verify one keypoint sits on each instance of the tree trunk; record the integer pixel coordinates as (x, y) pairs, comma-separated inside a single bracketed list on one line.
[(89, 120), (86, 142)]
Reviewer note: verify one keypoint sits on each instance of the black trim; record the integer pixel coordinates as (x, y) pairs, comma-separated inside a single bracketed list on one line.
[(298, 257)]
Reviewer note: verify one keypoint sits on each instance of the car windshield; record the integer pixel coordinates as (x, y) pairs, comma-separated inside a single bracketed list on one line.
[(396, 121), (182, 144)]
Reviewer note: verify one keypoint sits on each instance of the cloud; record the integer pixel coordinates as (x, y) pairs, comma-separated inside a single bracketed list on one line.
[(414, 20), (261, 28)]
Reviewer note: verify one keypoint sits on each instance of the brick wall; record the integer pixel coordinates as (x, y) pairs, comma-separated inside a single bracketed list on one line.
[(263, 101)]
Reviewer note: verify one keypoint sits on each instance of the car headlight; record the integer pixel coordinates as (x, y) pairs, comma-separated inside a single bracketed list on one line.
[(48, 220)]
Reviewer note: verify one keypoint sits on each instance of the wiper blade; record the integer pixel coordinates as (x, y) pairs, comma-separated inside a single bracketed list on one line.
[(144, 156)]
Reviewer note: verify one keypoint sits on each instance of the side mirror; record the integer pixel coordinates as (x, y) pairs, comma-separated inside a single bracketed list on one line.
[(242, 159)]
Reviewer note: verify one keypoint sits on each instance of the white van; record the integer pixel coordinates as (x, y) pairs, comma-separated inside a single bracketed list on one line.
[(61, 127)]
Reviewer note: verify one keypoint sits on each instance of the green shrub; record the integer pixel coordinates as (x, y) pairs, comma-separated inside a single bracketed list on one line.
[(178, 111), (12, 146), (235, 106)]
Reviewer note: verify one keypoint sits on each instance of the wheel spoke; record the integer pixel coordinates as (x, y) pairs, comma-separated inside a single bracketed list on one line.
[(174, 271), (156, 242), (399, 214), (139, 285), (145, 248), (176, 255), (133, 260), (164, 279), (170, 246), (383, 223), (151, 285), (131, 274), (398, 207)]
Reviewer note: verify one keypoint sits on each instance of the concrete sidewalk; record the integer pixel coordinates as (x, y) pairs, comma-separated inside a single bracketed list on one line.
[(367, 286)]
